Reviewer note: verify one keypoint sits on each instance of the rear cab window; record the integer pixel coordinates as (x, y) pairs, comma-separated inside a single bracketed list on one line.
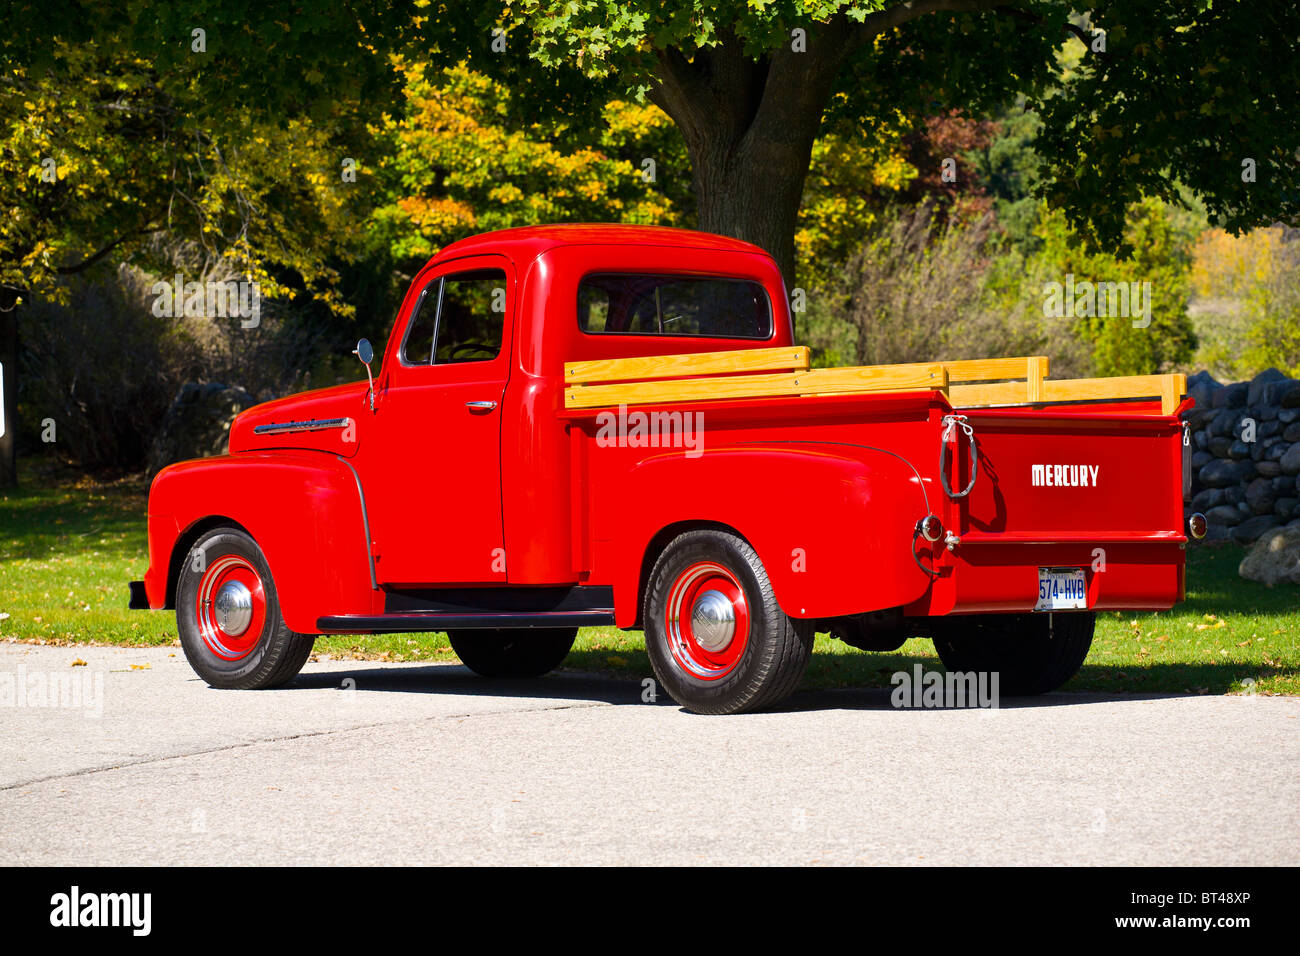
[(612, 303)]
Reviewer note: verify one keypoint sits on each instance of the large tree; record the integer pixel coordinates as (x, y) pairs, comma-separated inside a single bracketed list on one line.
[(1198, 92)]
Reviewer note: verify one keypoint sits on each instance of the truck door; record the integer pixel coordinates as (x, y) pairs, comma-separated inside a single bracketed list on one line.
[(432, 479)]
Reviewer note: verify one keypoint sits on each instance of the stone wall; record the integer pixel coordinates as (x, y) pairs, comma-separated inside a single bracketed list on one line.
[(1245, 455)]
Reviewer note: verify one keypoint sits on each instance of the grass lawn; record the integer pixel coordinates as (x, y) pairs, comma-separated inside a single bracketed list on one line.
[(69, 545)]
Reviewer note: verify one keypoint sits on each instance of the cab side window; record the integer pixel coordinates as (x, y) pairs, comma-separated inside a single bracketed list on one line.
[(459, 318)]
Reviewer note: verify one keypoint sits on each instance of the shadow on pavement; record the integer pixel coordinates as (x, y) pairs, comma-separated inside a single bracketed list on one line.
[(571, 685)]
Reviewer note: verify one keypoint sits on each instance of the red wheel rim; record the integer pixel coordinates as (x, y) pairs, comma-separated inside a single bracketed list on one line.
[(230, 607), (706, 620)]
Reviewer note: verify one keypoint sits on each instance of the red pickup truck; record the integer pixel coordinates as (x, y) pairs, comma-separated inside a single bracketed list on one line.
[(611, 425)]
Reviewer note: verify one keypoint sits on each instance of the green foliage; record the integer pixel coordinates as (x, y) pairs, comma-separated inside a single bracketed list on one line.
[(106, 161), (1161, 257), (454, 163), (917, 291), (1186, 92), (1273, 315)]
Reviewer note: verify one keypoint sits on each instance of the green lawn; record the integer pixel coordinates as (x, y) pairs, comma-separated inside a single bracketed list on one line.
[(70, 544)]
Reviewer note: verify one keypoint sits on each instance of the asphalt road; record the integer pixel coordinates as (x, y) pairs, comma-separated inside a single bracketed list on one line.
[(371, 763)]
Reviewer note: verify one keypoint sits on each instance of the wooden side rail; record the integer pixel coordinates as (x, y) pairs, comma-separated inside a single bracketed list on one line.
[(1168, 388), (821, 381), (794, 357), (752, 373)]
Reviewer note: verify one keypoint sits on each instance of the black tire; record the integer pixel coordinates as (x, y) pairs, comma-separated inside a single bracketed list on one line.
[(766, 668), (513, 652), (1032, 653), (277, 654)]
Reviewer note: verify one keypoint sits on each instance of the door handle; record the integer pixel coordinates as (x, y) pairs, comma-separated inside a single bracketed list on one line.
[(487, 406)]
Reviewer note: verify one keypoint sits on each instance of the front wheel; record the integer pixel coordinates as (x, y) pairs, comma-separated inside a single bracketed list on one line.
[(513, 652), (1032, 653), (716, 637), (228, 615)]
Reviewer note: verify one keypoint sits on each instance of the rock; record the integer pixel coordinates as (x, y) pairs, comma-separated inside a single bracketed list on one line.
[(1260, 496), (1288, 397), (1225, 515), (1288, 416), (1252, 528), (1274, 558), (1236, 395), (1291, 432), (1290, 461), (1202, 387), (1285, 507), (1255, 394), (1224, 422), (1198, 416), (1283, 485), (1269, 469), (1200, 459), (1217, 474), (1206, 499), (197, 423), (1219, 446), (1277, 451), (1268, 413), (1274, 391), (1234, 495), (1202, 439), (1268, 429), (1241, 449)]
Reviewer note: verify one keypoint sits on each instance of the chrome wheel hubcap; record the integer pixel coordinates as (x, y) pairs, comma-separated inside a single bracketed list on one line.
[(713, 621), (234, 608)]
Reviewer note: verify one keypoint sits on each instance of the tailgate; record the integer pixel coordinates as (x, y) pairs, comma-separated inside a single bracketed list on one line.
[(1046, 475), (1082, 493)]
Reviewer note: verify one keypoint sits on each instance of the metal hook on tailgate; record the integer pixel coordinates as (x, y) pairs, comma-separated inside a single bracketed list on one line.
[(950, 425)]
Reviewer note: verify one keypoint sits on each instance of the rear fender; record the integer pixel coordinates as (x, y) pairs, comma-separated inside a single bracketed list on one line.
[(831, 523), (305, 511)]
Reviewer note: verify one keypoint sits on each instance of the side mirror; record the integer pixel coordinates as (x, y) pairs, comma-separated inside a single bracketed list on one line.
[(366, 353)]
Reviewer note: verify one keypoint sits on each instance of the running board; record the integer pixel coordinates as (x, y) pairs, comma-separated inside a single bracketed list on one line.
[(441, 609), (445, 621)]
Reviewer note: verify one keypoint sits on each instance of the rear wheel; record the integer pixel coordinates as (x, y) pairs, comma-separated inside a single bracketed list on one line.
[(228, 615), (717, 639), (513, 652), (1032, 653)]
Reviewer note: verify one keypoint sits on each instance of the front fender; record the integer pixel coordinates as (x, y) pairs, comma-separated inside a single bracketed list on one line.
[(304, 509), (832, 523)]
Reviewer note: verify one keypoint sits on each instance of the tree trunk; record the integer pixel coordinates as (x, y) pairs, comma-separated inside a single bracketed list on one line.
[(749, 126), (9, 387), (753, 194)]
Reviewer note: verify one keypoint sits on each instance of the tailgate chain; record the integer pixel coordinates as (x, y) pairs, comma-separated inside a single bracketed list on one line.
[(950, 425)]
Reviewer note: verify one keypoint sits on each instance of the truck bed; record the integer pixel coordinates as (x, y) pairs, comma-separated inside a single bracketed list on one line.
[(1081, 474)]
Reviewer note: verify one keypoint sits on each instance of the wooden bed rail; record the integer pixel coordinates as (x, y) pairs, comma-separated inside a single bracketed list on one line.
[(749, 373)]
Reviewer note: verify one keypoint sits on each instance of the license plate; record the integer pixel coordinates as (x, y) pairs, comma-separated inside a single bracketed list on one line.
[(1061, 589)]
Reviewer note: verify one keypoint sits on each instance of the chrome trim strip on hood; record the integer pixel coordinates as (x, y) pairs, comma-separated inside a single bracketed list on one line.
[(308, 425)]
